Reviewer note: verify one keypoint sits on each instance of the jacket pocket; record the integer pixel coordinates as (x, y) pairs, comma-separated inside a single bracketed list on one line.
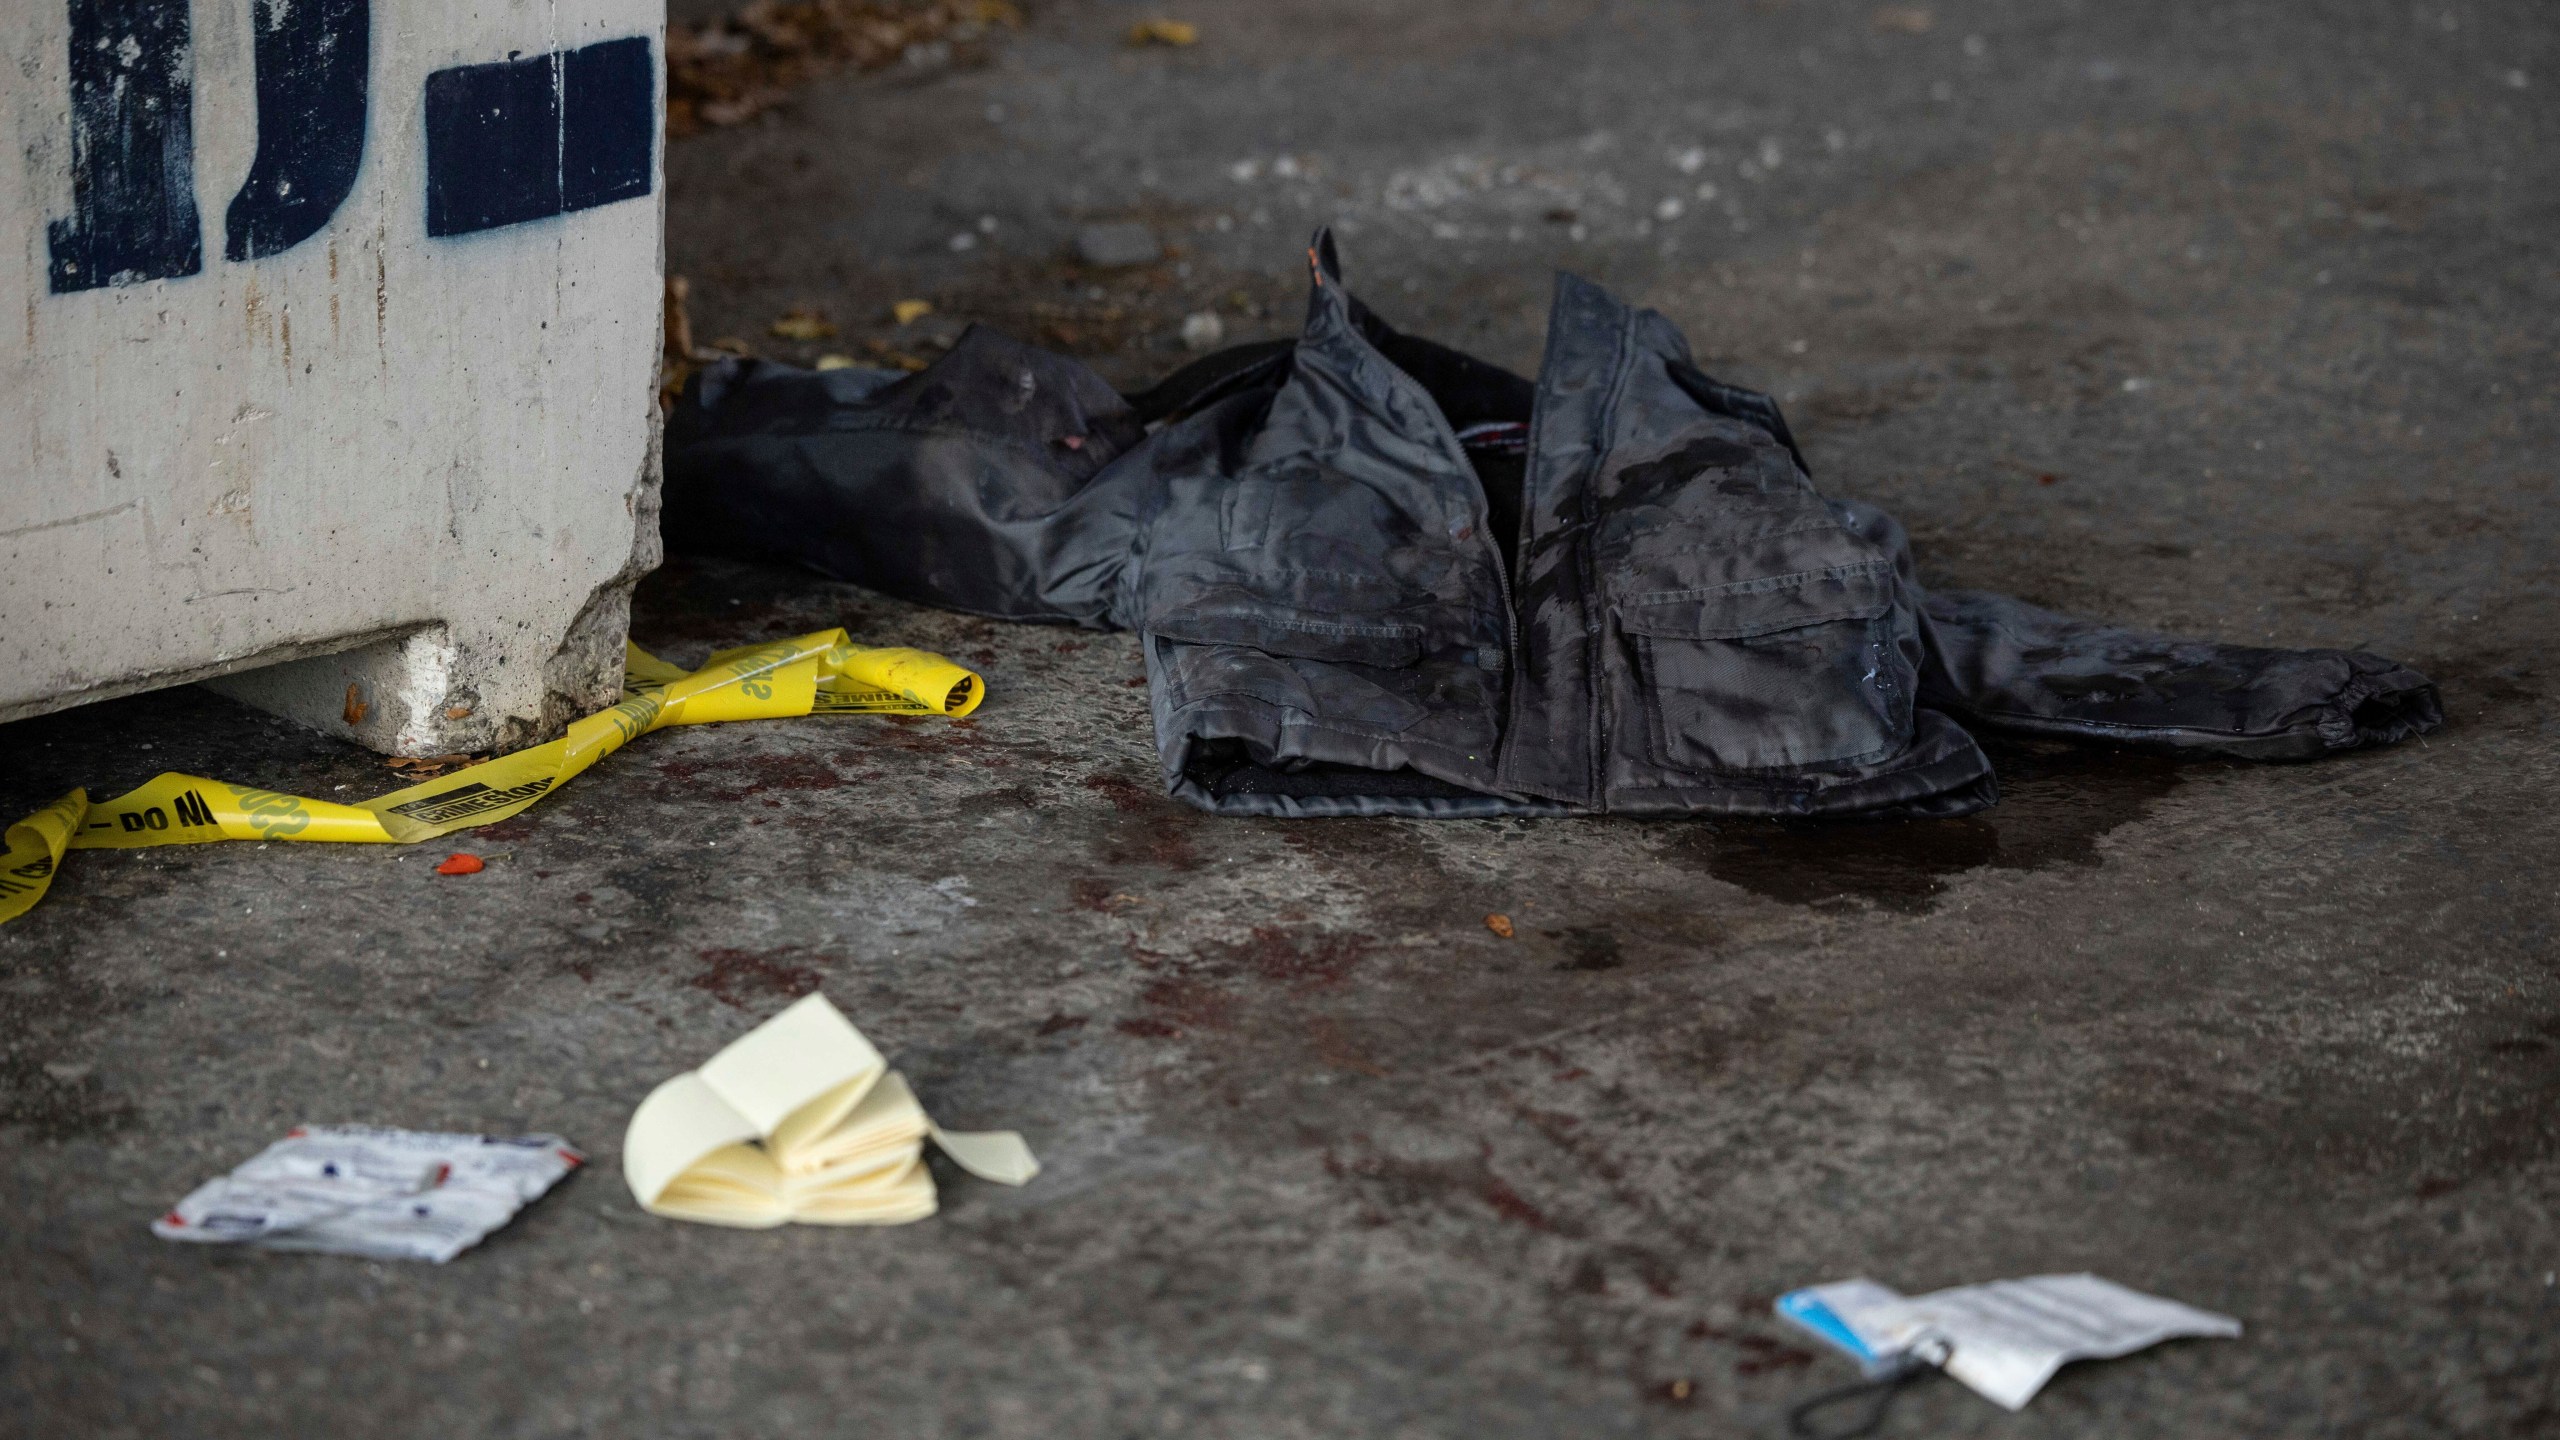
[(1306, 634), (1337, 665), (1332, 693), (1774, 673)]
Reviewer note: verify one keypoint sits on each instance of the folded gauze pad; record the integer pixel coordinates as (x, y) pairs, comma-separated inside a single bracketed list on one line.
[(799, 1119)]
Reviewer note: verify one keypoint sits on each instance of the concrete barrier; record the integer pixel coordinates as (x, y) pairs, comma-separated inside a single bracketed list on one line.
[(334, 332)]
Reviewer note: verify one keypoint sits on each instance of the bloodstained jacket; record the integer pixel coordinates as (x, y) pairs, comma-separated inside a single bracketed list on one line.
[(1374, 576)]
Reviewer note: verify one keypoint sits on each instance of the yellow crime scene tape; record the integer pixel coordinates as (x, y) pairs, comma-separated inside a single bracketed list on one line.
[(823, 673)]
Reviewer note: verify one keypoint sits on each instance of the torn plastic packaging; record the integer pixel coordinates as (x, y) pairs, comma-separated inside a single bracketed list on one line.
[(1374, 576)]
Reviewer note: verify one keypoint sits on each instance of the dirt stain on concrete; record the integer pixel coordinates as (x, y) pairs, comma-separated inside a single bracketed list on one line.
[(743, 775), (1760, 1355), (2497, 685), (1097, 894), (732, 977), (1186, 1002), (1147, 827), (1201, 992), (1312, 961), (48, 1089), (1589, 947), (2056, 803), (1393, 1188), (1126, 796)]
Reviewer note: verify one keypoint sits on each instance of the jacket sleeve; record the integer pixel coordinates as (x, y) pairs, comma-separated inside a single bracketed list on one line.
[(975, 485), (2001, 664)]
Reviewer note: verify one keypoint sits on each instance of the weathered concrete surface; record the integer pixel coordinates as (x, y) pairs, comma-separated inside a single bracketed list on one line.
[(1326, 1157), (405, 472)]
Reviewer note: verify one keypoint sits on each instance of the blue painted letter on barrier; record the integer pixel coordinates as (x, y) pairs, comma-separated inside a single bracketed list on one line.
[(133, 169), (314, 58), (529, 139)]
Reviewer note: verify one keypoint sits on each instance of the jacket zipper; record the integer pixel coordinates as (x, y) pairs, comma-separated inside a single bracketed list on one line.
[(1480, 526), (1457, 450)]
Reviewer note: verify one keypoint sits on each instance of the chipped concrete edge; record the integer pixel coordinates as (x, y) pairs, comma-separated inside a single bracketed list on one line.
[(415, 691)]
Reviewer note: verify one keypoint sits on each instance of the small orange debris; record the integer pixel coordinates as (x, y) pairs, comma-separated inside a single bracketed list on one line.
[(802, 323), (458, 863), (1499, 925), (425, 767), (908, 312), (356, 709), (1176, 33), (679, 322)]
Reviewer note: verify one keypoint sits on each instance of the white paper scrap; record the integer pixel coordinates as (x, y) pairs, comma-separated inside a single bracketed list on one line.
[(364, 1190), (2004, 1339), (2008, 1337)]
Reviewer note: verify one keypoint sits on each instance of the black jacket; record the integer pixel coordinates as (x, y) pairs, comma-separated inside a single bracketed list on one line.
[(1372, 575)]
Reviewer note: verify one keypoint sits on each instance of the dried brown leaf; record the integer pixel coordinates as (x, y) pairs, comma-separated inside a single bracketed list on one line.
[(1161, 31)]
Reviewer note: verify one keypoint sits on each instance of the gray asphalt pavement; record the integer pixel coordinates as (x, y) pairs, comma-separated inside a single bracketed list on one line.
[(2226, 318)]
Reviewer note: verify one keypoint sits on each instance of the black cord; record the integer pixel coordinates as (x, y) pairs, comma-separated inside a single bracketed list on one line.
[(1800, 1419)]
